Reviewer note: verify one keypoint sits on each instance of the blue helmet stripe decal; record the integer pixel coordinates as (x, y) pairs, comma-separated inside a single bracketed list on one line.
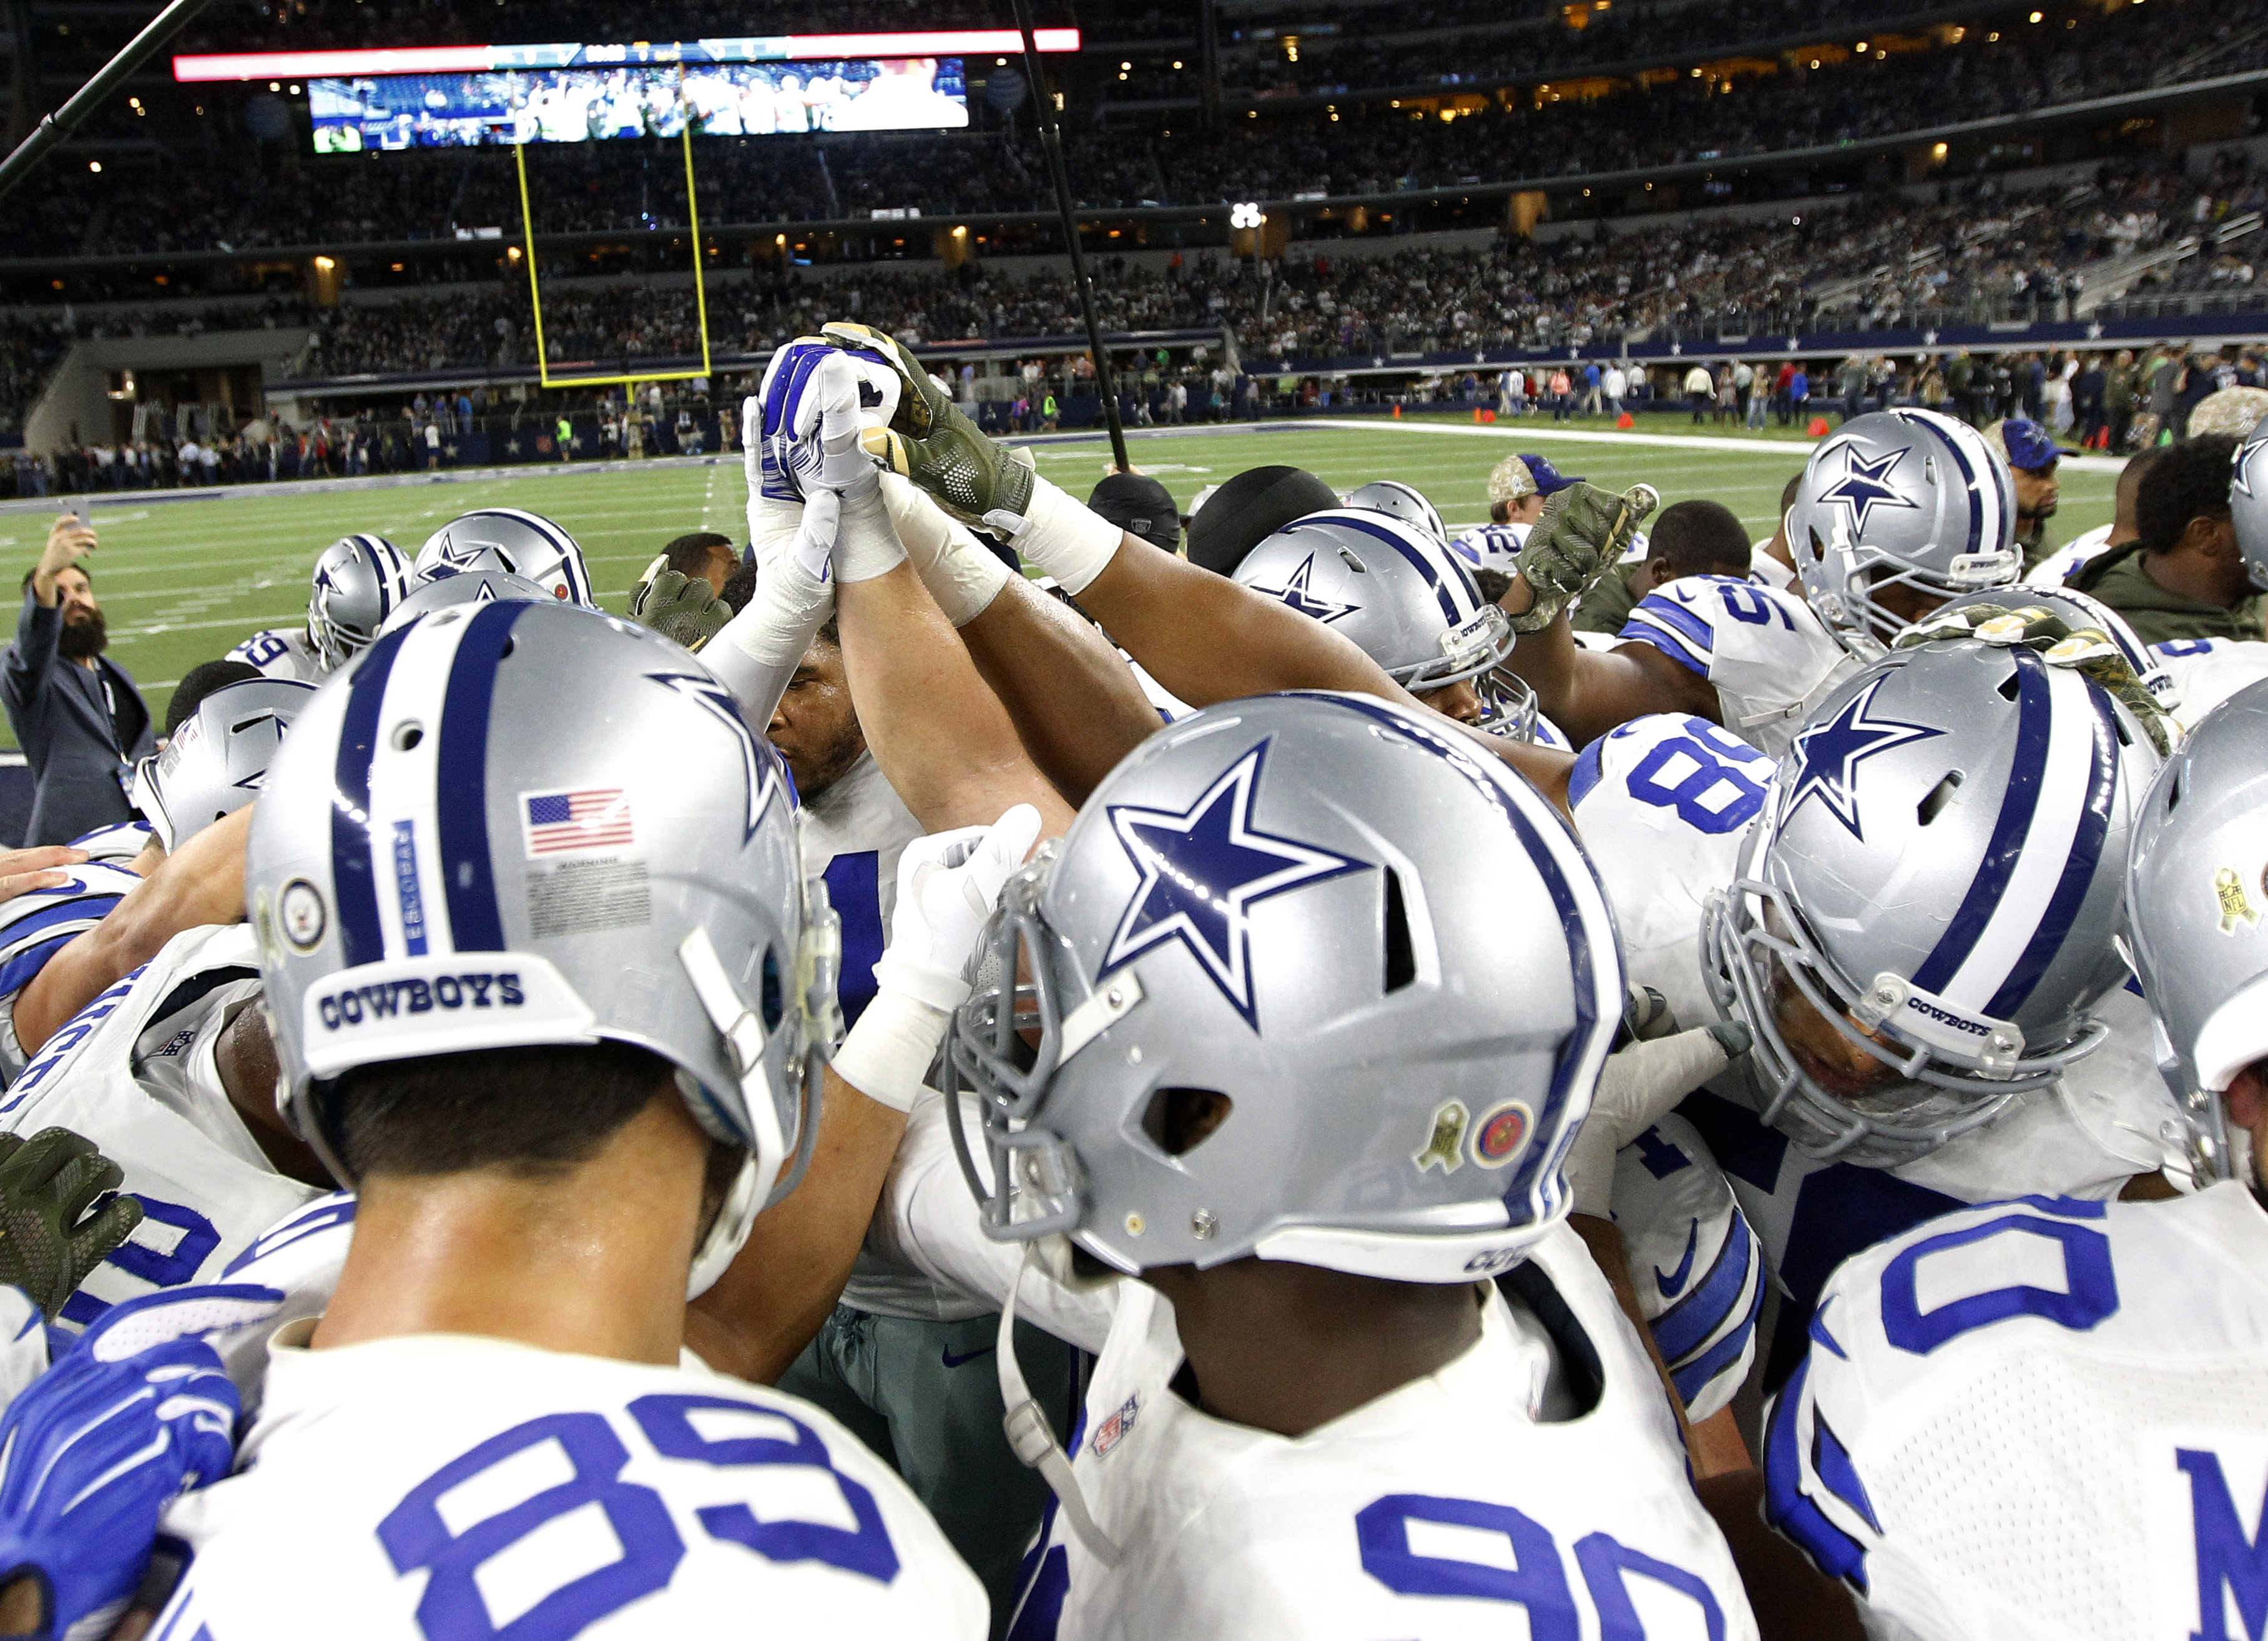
[(461, 780), (1426, 565), (353, 880), (1580, 1042), (1969, 479), (2034, 717), (2079, 871)]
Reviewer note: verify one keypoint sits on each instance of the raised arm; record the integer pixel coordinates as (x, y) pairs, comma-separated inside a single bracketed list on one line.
[(1589, 692)]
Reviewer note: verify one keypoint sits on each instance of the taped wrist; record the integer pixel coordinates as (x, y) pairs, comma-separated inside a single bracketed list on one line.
[(889, 1051), (866, 543), (1062, 537), (962, 576), (758, 651)]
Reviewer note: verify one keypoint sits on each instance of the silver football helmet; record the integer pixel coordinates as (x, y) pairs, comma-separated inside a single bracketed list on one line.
[(215, 763), (1900, 498), (359, 580), (2195, 893), (1924, 917), (2248, 504), (1310, 978), (1401, 501), (513, 541), (1404, 599), (474, 586), (522, 823)]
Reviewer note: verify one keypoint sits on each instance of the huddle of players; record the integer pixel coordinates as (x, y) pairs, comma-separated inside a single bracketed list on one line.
[(1313, 1076)]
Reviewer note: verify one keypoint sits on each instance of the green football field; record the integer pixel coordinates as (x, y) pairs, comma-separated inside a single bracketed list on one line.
[(182, 580)]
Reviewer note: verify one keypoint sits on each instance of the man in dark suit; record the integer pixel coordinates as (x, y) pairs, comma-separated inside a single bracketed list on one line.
[(76, 713)]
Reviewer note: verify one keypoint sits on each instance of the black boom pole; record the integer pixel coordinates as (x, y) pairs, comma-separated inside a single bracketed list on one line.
[(1051, 140), (54, 127)]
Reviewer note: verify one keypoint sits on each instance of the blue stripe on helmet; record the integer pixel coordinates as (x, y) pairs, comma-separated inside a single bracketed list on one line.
[(2079, 871), (460, 784), (1681, 1329), (2034, 717), (1426, 565), (354, 878), (1952, 444), (1670, 610)]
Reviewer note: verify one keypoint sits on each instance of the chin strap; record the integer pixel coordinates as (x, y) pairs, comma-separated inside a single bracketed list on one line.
[(1033, 1438)]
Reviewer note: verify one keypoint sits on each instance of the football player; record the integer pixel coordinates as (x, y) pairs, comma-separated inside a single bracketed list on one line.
[(2211, 670), (1993, 1401), (566, 1045), (1411, 607), (359, 581), (1914, 913), (513, 541), (1899, 510), (1357, 1376)]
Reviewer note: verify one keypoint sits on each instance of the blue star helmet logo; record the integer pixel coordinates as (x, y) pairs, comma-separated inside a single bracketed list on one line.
[(1864, 487), (2247, 460), (1831, 751), (1294, 592), (1204, 868), (324, 581), (760, 769)]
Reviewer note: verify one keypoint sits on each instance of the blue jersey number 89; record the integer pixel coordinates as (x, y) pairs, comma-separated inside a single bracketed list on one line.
[(263, 648), (416, 1537), (1716, 794)]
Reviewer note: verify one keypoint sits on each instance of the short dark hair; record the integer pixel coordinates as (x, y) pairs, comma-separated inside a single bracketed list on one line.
[(690, 555), (1698, 538), (199, 681), (529, 1110), (2188, 480), (740, 587), (1493, 583), (1787, 492)]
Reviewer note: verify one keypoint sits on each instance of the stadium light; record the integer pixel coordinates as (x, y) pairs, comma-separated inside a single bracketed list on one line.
[(1245, 216)]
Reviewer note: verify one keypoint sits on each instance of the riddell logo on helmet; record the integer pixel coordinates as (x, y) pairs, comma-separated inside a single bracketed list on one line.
[(388, 997)]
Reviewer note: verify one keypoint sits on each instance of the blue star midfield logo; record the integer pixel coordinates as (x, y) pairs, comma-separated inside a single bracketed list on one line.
[(1203, 870), (1831, 751), (1294, 592), (1862, 488), (762, 769)]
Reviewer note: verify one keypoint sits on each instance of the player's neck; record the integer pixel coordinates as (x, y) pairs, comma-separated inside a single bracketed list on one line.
[(591, 1258), (1289, 1347)]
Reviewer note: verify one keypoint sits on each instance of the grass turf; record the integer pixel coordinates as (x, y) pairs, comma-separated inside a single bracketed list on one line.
[(182, 581)]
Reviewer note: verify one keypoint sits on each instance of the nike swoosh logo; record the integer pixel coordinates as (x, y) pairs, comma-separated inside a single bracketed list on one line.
[(1670, 1285), (952, 1360)]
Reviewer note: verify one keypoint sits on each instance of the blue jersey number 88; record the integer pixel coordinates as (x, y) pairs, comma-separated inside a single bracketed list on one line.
[(1716, 794)]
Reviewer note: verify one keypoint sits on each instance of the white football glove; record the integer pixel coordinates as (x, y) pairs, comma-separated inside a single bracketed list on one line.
[(1641, 1085), (948, 884)]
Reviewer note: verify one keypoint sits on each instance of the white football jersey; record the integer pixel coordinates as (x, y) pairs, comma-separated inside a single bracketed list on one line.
[(1767, 571), (36, 925), (2063, 562), (115, 845), (1661, 803), (1540, 1470), (442, 1484), (2041, 1419), (1697, 1267), (853, 835), (289, 656), (1492, 546), (134, 1071), (1770, 659), (2208, 671)]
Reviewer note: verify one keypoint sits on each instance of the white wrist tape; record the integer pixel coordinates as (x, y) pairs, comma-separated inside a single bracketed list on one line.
[(1064, 539), (866, 544), (1639, 1086), (960, 574), (889, 1051)]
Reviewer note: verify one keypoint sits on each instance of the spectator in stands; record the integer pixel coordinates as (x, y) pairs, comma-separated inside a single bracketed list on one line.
[(2183, 576), (78, 718)]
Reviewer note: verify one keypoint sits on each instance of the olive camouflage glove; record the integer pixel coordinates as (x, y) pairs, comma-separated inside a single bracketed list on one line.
[(48, 1238)]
